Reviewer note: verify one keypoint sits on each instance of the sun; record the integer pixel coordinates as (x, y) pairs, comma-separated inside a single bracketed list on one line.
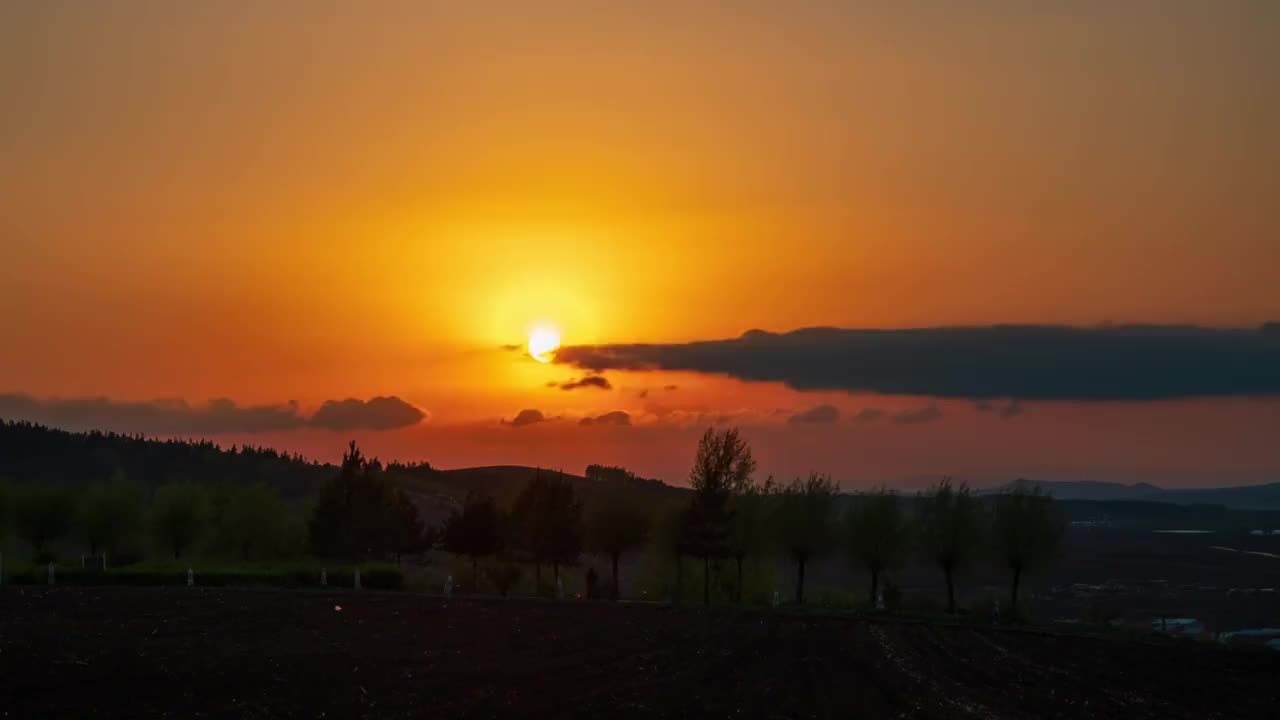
[(543, 340)]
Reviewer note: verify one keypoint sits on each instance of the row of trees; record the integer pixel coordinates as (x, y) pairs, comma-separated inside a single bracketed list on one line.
[(116, 517), (546, 525), (729, 516), (732, 516), (358, 515)]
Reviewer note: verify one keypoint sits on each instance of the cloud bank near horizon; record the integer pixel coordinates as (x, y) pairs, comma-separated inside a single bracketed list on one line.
[(218, 416), (1024, 362)]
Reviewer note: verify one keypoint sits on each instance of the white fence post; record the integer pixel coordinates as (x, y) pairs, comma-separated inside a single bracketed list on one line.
[(50, 573), (357, 583), (324, 577), (191, 578)]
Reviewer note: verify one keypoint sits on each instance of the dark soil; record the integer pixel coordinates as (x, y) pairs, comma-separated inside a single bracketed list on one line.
[(146, 652)]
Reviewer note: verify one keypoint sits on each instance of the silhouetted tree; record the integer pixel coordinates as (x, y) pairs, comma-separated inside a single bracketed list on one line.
[(409, 534), (722, 469), (359, 514), (617, 524), (527, 530), (804, 521), (877, 535), (669, 538), (547, 522), (42, 515), (475, 531), (107, 513), (1025, 532), (950, 530), (751, 526), (179, 515), (255, 520)]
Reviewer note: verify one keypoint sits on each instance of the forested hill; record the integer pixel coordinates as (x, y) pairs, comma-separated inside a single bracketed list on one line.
[(34, 453)]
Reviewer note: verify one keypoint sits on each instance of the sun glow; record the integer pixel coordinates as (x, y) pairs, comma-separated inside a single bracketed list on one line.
[(543, 340)]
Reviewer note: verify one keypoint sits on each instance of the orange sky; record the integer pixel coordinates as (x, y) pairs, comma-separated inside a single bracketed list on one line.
[(311, 201)]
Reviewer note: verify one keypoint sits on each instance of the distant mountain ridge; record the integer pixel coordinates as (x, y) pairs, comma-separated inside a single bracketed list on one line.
[(1244, 497)]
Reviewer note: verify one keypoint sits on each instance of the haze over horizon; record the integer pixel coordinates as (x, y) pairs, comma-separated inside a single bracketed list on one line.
[(260, 225)]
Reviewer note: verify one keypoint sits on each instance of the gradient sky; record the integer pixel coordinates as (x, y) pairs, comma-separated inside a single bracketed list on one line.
[(318, 201)]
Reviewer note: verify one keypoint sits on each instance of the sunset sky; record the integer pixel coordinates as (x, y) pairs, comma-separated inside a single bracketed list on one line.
[(217, 218)]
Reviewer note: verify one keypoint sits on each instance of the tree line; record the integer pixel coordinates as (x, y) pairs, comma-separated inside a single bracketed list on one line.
[(731, 517), (361, 511), (120, 520)]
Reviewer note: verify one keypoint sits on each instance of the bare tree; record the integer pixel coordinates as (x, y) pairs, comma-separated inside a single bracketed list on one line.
[(721, 470), (617, 524), (804, 522), (180, 515), (751, 526), (1025, 532), (950, 530), (877, 535), (475, 531)]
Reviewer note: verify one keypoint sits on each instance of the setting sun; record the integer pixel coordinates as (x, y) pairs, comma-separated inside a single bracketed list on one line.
[(543, 340)]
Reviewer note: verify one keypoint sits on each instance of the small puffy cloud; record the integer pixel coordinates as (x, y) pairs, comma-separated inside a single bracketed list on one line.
[(818, 415), (528, 417), (590, 381), (923, 415), (617, 417), (868, 414), (379, 413)]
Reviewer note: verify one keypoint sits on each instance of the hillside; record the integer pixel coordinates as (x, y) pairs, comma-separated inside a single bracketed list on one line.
[(32, 453), (1247, 497)]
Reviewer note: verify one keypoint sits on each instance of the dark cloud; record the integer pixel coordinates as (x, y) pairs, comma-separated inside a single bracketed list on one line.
[(923, 415), (1013, 409), (528, 417), (380, 413), (511, 348), (870, 414), (669, 388), (590, 381), (155, 417), (819, 415), (1137, 362), (218, 416), (617, 417)]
